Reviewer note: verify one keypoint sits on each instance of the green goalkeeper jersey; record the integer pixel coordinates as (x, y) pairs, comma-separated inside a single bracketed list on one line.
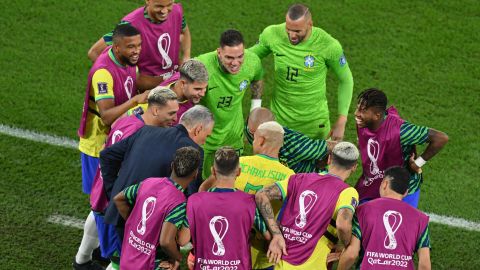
[(299, 99), (224, 98)]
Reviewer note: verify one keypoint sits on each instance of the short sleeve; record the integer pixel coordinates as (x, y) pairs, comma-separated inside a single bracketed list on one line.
[(178, 216), (411, 134), (348, 199), (262, 48), (356, 228), (131, 193), (424, 240), (102, 85), (283, 186), (138, 110), (259, 72)]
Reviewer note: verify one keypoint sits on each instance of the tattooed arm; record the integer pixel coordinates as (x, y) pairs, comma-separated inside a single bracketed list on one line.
[(257, 90), (277, 245), (344, 225)]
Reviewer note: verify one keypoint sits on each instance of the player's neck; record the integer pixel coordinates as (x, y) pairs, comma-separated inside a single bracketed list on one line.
[(148, 119), (270, 152), (392, 195), (225, 182), (342, 174), (177, 88)]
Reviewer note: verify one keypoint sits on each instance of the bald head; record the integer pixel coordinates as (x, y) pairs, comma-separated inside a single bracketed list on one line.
[(298, 11), (271, 134), (257, 117)]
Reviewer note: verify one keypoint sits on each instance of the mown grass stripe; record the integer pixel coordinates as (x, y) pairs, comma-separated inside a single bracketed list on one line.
[(67, 221)]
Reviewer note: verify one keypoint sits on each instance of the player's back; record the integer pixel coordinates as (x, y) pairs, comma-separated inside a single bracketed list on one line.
[(390, 231), (220, 224)]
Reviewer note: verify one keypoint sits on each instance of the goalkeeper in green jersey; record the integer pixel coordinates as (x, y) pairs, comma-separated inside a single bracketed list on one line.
[(302, 55), (231, 71)]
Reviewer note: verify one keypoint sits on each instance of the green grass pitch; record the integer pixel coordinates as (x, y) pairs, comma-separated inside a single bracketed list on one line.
[(424, 54)]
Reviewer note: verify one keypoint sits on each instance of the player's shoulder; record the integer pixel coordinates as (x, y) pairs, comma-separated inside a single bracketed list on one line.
[(274, 29), (322, 36), (252, 59), (207, 58), (134, 15)]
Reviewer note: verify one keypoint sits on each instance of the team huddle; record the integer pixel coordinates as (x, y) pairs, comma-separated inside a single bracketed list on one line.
[(162, 139)]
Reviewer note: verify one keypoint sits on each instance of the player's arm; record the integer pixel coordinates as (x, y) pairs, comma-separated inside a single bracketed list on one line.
[(436, 141), (145, 82), (185, 43), (349, 255), (168, 243), (277, 246), (125, 200), (183, 236), (207, 184), (309, 149), (338, 64), (96, 49), (259, 224), (174, 220), (262, 47), (344, 225), (257, 83), (423, 250)]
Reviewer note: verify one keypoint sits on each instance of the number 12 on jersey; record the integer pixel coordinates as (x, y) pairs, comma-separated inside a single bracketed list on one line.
[(292, 74)]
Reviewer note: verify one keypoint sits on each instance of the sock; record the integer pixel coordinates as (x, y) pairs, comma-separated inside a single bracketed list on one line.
[(89, 240)]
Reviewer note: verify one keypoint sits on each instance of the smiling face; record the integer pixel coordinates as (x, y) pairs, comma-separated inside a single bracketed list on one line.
[(298, 30), (194, 91), (231, 58), (367, 117), (158, 10), (166, 115), (128, 49)]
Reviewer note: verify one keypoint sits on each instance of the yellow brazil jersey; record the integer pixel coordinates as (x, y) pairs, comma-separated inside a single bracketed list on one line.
[(141, 108), (96, 132), (318, 259), (257, 172)]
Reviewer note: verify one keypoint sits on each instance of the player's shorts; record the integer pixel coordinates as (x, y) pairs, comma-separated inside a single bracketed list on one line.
[(412, 199), (107, 237), (89, 168), (208, 157)]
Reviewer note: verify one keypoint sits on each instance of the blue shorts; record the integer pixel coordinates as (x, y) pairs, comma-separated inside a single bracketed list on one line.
[(89, 169), (412, 199), (107, 237)]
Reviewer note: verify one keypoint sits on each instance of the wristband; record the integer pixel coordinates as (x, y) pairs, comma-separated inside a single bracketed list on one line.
[(256, 103), (420, 161)]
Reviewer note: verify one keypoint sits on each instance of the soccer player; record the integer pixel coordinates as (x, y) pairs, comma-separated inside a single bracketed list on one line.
[(386, 140), (299, 152), (302, 55), (231, 71), (389, 228), (221, 219), (110, 93), (161, 112), (164, 33), (189, 83), (318, 208), (148, 153), (155, 210), (261, 170)]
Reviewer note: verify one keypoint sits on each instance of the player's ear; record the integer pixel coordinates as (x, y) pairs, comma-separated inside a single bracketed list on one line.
[(354, 168), (212, 170), (239, 171), (329, 160)]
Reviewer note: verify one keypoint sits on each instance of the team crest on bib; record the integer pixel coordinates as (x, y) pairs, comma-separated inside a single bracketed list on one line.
[(309, 61), (243, 85)]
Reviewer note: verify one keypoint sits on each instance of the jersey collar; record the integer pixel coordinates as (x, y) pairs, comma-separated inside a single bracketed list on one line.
[(176, 185), (114, 59), (267, 157)]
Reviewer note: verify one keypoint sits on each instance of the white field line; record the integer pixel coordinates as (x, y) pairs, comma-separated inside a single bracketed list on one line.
[(38, 137), (66, 221), (77, 223)]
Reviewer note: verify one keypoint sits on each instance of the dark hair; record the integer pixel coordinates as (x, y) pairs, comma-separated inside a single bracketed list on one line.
[(373, 98), (186, 161), (399, 179), (297, 11), (226, 161), (231, 38), (124, 30)]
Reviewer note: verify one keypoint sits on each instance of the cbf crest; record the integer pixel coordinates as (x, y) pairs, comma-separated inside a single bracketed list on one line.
[(309, 61), (243, 85)]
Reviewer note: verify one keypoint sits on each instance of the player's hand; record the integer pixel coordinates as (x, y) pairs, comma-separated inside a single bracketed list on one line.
[(413, 167), (165, 265), (333, 257), (276, 249), (338, 130), (142, 98)]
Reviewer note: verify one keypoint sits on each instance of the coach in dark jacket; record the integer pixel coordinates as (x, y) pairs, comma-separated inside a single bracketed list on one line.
[(149, 153)]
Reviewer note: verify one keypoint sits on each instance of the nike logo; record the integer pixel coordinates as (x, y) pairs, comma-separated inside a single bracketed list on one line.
[(279, 55), (213, 87)]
